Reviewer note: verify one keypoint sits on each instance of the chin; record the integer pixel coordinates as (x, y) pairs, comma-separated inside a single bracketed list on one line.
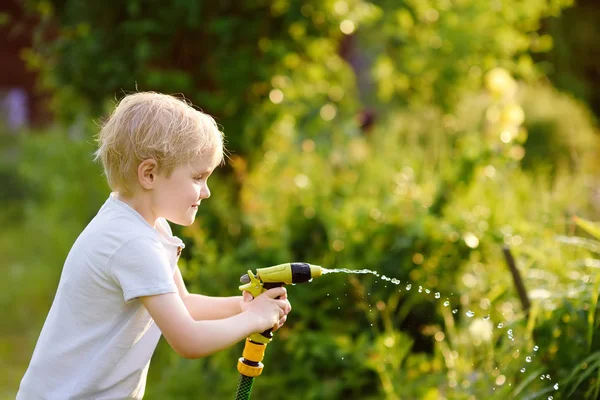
[(187, 222), (183, 221)]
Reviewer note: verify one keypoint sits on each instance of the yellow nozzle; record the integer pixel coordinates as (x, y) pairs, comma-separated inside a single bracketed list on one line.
[(315, 271), (282, 274), (275, 276), (289, 273)]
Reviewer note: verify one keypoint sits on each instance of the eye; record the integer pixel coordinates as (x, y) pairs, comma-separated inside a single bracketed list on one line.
[(199, 178)]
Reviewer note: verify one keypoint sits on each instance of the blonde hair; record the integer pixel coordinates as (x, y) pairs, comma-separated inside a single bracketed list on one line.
[(156, 126)]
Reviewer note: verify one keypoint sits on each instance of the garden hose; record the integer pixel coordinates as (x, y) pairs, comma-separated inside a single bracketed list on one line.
[(250, 364)]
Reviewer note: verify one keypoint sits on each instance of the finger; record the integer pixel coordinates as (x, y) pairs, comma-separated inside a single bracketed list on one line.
[(282, 320), (275, 292), (287, 307), (247, 296), (284, 305)]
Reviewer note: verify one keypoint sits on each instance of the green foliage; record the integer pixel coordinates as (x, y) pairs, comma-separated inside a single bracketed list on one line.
[(570, 63), (428, 194), (54, 190), (220, 55), (61, 191), (431, 51), (580, 318), (378, 205), (559, 133)]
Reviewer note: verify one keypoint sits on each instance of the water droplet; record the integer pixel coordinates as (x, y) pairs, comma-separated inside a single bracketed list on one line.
[(342, 358), (427, 291), (500, 325), (438, 295), (550, 398), (408, 286), (327, 294), (528, 359), (420, 289), (535, 348), (486, 317), (542, 377), (454, 311), (556, 386), (384, 277), (522, 369), (470, 314), (446, 303), (395, 281)]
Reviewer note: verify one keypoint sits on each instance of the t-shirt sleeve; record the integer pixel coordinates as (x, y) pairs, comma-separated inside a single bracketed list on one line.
[(141, 268)]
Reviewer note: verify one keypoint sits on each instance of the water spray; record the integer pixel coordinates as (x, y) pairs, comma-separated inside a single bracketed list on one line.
[(250, 364)]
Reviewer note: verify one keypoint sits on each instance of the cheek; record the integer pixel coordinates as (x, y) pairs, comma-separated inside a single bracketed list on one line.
[(194, 191)]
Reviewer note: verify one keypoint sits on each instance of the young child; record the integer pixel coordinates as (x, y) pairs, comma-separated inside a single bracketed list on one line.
[(120, 287)]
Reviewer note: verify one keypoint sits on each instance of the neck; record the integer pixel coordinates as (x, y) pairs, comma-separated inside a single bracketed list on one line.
[(140, 203)]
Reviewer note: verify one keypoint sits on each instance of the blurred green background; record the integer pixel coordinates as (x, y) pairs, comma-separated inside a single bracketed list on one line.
[(415, 138)]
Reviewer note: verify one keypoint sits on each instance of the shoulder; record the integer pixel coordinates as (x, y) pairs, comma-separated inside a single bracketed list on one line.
[(139, 247), (119, 223), (140, 255)]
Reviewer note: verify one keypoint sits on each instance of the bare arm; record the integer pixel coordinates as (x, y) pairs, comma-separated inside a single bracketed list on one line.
[(195, 339), (203, 307), (208, 308)]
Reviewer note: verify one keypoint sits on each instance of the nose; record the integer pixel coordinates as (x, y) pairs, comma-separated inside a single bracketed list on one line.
[(204, 192)]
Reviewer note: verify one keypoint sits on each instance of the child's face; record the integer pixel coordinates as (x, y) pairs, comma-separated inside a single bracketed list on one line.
[(177, 197)]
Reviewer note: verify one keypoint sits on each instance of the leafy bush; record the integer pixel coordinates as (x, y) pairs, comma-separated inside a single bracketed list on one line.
[(426, 190)]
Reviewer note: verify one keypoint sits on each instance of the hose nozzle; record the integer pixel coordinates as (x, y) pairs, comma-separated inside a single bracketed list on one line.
[(289, 273), (279, 275)]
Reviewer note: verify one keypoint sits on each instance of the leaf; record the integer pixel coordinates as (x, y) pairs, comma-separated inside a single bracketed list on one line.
[(538, 394), (588, 244), (593, 362), (530, 378), (591, 315), (588, 226)]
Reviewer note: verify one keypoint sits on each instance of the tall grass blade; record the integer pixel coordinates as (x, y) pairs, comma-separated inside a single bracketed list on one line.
[(530, 378), (593, 362), (588, 226), (588, 244)]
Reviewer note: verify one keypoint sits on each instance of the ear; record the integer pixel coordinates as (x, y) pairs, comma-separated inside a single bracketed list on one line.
[(147, 171)]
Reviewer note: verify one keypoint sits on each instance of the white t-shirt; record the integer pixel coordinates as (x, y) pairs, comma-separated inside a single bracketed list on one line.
[(98, 338)]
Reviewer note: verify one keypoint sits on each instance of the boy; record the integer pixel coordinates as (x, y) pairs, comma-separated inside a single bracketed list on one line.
[(120, 287)]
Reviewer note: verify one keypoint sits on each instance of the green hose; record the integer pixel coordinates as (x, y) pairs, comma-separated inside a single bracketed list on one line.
[(244, 388)]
